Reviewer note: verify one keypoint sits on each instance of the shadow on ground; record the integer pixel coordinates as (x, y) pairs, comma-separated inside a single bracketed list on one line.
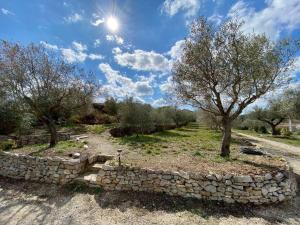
[(42, 199)]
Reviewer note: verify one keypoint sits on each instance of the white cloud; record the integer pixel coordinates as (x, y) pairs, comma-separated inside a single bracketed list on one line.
[(76, 17), (79, 46), (97, 43), (73, 56), (172, 7), (159, 102), (277, 17), (143, 60), (116, 50), (216, 18), (176, 50), (296, 66), (121, 86), (6, 12), (97, 22), (49, 46), (77, 52), (119, 40), (167, 86), (96, 56)]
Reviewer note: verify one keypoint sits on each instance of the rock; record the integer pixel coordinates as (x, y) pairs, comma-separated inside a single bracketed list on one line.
[(210, 188), (250, 150), (279, 176), (211, 177), (268, 176), (281, 197), (242, 179), (76, 155), (228, 182), (264, 191)]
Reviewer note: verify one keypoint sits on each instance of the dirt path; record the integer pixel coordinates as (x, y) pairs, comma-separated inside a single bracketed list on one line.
[(291, 153), (102, 144)]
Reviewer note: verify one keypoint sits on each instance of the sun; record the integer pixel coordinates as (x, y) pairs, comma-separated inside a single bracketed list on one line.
[(112, 24)]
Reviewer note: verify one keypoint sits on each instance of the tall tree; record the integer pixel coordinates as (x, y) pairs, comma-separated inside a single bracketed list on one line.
[(50, 88), (222, 70)]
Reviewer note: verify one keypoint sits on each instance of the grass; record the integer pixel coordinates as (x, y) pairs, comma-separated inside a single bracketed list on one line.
[(191, 148), (186, 140), (293, 140), (84, 128), (62, 148)]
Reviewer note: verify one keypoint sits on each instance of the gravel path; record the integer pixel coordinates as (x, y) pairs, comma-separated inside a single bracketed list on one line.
[(290, 153)]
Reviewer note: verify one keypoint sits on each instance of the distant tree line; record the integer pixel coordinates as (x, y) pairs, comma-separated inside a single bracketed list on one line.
[(139, 118)]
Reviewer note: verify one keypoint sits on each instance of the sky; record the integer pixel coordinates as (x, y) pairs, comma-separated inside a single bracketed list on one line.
[(134, 56)]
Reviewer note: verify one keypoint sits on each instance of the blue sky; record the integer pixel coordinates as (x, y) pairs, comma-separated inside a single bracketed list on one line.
[(136, 59)]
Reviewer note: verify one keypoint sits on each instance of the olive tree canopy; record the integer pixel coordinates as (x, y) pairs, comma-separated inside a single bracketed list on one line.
[(48, 87), (222, 70)]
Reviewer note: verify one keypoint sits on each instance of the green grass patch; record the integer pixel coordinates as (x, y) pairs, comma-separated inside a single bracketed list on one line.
[(61, 148), (193, 141)]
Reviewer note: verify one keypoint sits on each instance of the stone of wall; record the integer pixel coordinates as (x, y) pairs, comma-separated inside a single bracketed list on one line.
[(229, 188), (39, 139), (47, 170)]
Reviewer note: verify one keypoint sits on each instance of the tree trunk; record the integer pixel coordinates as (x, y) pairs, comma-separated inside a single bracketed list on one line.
[(53, 133), (290, 125), (225, 146), (274, 131)]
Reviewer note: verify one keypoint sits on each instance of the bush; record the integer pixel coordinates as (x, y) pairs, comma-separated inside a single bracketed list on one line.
[(7, 145), (285, 132)]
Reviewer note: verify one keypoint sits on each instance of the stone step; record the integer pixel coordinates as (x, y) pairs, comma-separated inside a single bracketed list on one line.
[(87, 178), (95, 167)]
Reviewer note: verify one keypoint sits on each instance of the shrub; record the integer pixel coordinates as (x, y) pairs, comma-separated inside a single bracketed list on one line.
[(285, 132), (7, 145)]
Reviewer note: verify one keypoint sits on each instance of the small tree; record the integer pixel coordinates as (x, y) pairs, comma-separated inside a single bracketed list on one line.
[(111, 106), (50, 88), (222, 70), (136, 116)]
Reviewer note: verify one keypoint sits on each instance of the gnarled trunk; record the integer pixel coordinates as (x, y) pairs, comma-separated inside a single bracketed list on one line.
[(274, 130), (53, 133), (226, 139)]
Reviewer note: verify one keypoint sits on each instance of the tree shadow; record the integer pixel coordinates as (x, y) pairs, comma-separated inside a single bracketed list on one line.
[(58, 196), (124, 201), (167, 133)]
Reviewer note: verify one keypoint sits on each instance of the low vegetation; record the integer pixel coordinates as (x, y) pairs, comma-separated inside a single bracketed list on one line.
[(190, 148), (63, 148)]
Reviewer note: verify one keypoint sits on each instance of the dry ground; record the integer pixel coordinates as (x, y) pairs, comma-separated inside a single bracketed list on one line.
[(31, 203)]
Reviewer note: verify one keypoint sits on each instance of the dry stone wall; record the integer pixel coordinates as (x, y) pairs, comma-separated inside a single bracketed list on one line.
[(266, 188), (47, 170), (39, 139)]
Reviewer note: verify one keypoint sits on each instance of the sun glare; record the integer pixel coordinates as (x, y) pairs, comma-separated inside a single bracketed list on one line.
[(112, 24)]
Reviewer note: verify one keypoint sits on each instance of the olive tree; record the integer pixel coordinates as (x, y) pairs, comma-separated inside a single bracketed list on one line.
[(137, 116), (273, 115), (49, 87), (222, 70)]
